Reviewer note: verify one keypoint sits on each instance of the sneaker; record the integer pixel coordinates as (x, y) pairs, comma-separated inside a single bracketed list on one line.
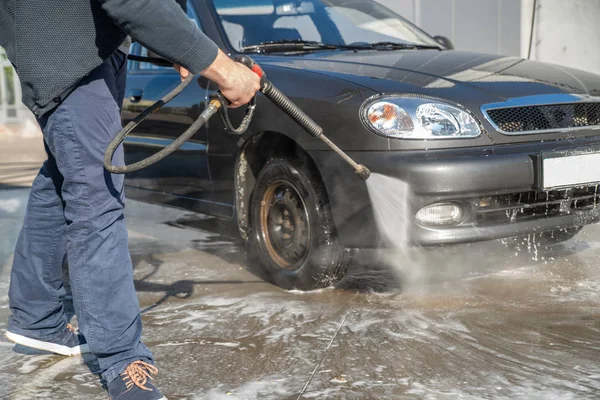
[(135, 383), (67, 343)]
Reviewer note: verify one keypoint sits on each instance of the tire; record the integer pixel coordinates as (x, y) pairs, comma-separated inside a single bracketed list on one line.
[(559, 236), (293, 239)]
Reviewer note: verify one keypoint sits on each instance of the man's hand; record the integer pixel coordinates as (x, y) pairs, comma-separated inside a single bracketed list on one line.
[(236, 81), (184, 73)]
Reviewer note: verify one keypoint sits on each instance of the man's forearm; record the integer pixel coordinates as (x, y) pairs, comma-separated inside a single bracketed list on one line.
[(163, 27)]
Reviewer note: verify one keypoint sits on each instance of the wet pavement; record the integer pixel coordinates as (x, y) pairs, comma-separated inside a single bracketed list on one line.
[(482, 321)]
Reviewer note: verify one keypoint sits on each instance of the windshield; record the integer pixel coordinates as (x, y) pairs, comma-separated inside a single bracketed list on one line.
[(335, 22)]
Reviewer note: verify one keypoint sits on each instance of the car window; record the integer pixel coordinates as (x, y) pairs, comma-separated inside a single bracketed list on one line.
[(360, 26), (191, 12), (299, 27), (337, 22)]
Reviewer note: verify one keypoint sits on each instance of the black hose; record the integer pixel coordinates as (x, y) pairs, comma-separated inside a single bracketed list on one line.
[(152, 60), (112, 147), (285, 104), (220, 102)]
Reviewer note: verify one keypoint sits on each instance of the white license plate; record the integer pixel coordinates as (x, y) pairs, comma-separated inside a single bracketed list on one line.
[(571, 170)]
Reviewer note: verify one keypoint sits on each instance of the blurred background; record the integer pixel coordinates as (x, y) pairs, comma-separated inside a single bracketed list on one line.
[(555, 31)]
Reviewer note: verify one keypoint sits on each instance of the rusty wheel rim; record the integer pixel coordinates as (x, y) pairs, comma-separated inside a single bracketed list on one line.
[(284, 225)]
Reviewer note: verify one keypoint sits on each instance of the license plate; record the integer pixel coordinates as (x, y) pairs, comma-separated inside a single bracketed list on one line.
[(574, 170)]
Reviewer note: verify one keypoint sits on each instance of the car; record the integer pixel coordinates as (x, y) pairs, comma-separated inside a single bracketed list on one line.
[(491, 146)]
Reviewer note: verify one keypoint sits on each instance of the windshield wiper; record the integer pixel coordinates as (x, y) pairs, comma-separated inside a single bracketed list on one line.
[(287, 45), (392, 46), (307, 45)]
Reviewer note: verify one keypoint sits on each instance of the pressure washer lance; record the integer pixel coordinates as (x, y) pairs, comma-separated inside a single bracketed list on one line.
[(220, 104)]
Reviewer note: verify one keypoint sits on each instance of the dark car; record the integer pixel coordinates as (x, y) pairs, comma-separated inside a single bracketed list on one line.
[(490, 146)]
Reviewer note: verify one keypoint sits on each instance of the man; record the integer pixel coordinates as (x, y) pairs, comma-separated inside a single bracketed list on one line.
[(72, 73)]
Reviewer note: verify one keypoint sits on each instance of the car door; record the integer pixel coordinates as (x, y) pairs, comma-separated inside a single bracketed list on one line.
[(222, 156), (184, 174)]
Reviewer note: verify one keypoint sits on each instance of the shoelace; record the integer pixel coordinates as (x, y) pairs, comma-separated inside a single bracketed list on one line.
[(137, 373)]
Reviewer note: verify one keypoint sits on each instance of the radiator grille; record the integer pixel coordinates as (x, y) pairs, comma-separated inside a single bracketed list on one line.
[(518, 207), (543, 118)]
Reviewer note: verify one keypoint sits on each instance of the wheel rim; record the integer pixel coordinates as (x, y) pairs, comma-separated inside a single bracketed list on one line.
[(284, 225)]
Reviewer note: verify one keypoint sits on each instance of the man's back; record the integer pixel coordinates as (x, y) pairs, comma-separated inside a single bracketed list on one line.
[(54, 44)]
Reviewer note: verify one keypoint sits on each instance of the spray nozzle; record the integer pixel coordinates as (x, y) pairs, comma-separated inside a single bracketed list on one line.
[(363, 172)]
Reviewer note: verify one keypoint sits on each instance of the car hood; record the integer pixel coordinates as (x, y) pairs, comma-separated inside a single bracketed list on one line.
[(472, 79)]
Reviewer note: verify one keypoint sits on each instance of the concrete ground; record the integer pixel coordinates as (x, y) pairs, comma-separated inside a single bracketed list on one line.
[(482, 321)]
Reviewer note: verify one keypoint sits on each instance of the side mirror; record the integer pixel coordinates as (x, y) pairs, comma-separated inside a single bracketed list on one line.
[(444, 41)]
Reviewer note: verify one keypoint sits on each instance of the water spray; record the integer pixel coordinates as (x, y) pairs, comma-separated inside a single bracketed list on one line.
[(219, 104)]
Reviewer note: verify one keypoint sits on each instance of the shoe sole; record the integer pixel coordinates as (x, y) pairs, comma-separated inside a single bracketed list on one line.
[(46, 346)]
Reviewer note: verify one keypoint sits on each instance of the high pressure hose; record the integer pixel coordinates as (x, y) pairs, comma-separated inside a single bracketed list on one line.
[(176, 144), (220, 103)]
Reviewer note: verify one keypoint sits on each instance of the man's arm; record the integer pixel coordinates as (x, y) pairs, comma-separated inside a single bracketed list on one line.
[(163, 27)]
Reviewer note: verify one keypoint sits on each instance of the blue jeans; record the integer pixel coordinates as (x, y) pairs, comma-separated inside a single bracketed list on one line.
[(75, 210)]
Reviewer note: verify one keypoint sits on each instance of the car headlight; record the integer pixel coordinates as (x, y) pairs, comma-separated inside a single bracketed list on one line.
[(404, 117)]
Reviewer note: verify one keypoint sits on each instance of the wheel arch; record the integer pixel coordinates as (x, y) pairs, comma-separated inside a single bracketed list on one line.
[(254, 154)]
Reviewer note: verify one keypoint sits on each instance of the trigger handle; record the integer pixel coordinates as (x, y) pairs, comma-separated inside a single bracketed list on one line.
[(250, 63)]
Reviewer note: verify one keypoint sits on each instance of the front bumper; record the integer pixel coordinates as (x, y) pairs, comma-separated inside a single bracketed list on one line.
[(499, 189)]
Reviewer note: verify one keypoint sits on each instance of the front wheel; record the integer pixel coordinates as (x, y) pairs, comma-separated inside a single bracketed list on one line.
[(293, 237)]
